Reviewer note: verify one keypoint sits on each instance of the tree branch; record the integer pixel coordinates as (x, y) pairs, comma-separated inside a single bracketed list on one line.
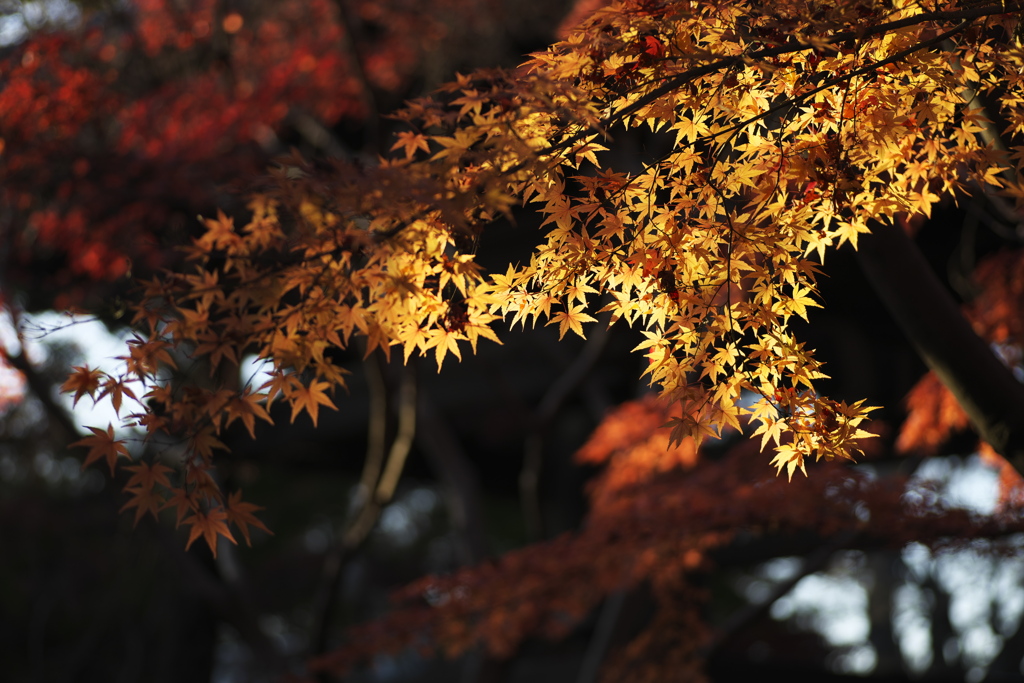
[(812, 563), (225, 600), (379, 480), (41, 388), (440, 445), (923, 308), (550, 404)]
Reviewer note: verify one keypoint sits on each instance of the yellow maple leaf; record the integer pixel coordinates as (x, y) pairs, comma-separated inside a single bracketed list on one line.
[(571, 319), (443, 341), (921, 202), (789, 457)]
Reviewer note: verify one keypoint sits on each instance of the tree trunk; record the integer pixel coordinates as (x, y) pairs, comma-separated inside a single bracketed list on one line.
[(926, 312)]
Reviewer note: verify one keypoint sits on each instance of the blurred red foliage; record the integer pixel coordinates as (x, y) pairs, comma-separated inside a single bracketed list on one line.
[(114, 135), (655, 521)]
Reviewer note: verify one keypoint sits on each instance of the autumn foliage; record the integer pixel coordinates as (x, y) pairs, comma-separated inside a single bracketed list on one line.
[(775, 151), (662, 528), (114, 137), (777, 133)]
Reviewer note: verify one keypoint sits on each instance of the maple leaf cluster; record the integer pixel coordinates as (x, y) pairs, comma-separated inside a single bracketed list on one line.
[(787, 130), (197, 500)]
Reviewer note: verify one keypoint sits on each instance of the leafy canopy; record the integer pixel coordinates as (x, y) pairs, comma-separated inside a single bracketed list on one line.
[(781, 129)]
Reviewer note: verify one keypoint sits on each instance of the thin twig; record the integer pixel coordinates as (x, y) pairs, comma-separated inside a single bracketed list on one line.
[(693, 74)]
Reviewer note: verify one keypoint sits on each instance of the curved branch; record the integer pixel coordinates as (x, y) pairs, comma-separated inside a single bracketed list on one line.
[(379, 480)]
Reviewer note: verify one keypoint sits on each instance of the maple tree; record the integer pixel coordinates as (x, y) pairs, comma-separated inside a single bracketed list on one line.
[(776, 133), (776, 150), (117, 129), (117, 134)]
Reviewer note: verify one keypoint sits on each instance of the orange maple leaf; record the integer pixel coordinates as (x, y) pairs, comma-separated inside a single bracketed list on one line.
[(147, 475), (117, 390), (247, 408), (183, 502), (143, 500), (240, 514), (209, 525), (202, 483), (204, 441), (216, 348), (279, 383), (82, 381), (102, 444), (409, 142), (310, 398), (145, 356)]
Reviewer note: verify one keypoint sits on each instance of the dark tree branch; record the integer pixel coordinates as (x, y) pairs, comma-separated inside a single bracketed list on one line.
[(926, 312), (557, 394), (440, 445), (41, 388), (224, 599), (366, 94), (597, 648), (376, 490), (812, 563)]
